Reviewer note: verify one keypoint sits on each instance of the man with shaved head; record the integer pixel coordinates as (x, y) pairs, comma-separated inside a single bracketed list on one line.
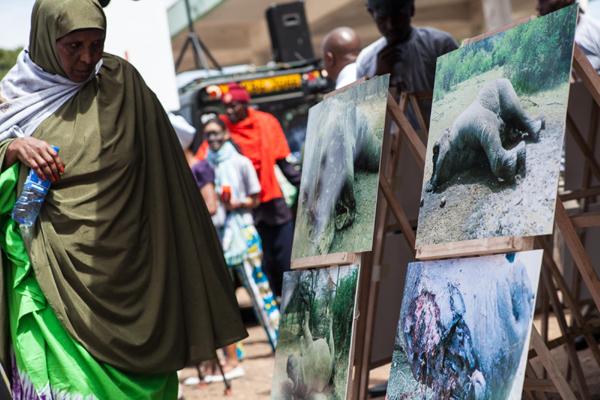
[(339, 50)]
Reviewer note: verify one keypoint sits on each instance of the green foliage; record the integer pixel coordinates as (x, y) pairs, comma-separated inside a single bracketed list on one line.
[(535, 56), (544, 52), (325, 299), (8, 58), (342, 313)]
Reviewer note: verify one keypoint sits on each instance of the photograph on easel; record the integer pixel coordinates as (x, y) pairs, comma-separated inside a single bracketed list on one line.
[(496, 135), (464, 328), (315, 334), (340, 172)]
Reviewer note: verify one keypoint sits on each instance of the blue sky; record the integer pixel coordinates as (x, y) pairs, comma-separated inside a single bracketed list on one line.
[(14, 23)]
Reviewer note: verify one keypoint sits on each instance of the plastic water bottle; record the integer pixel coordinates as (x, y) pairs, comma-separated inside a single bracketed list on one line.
[(32, 196)]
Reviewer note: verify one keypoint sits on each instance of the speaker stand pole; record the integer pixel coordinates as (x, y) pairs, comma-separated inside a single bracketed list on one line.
[(197, 46)]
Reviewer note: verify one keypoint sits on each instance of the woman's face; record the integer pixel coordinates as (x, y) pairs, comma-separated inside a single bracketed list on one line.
[(79, 52), (215, 136)]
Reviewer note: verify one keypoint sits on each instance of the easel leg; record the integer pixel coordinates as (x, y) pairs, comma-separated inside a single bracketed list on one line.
[(564, 328), (577, 250), (363, 298), (586, 183), (416, 105), (576, 315), (583, 146), (530, 373), (550, 365)]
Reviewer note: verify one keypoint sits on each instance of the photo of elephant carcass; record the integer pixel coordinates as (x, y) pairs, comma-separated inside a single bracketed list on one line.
[(344, 144), (491, 131)]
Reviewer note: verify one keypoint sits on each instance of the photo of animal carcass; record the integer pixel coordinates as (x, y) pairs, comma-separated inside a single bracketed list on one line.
[(315, 334), (340, 171), (464, 328), (496, 135)]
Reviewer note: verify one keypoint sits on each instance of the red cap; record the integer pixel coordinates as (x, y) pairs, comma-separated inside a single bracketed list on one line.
[(235, 93)]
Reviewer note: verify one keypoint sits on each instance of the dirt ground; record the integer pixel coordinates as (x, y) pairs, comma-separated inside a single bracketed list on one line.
[(259, 364), (495, 207)]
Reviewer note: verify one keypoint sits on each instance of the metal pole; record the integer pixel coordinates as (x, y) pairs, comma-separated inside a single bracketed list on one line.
[(197, 45), (189, 15)]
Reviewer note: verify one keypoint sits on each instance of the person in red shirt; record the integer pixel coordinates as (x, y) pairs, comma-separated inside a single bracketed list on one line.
[(261, 139)]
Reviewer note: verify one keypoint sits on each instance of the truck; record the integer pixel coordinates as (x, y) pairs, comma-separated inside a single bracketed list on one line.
[(285, 90)]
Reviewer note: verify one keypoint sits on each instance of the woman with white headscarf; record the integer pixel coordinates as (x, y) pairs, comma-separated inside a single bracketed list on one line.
[(121, 281)]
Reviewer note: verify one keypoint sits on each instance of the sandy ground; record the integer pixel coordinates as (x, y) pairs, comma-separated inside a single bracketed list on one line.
[(259, 364), (495, 207)]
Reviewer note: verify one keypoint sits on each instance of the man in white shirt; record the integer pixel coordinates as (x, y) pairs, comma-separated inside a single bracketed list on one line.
[(339, 51), (587, 32)]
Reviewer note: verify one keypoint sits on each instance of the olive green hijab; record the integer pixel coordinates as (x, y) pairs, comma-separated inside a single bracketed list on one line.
[(53, 19), (124, 248)]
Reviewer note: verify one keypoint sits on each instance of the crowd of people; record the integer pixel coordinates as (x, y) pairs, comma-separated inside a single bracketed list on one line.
[(236, 175), (127, 276)]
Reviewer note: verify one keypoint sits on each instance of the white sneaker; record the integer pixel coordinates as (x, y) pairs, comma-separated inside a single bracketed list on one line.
[(237, 372), (191, 381)]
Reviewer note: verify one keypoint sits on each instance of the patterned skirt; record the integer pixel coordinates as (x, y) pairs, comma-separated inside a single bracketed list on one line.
[(254, 280)]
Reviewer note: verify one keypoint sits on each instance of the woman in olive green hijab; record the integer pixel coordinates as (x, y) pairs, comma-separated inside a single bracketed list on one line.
[(121, 280)]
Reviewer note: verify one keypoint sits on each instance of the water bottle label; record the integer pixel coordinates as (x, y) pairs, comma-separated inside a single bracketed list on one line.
[(35, 182)]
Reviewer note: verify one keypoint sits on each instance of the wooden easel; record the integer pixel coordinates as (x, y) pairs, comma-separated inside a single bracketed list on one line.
[(370, 262), (366, 270), (368, 290)]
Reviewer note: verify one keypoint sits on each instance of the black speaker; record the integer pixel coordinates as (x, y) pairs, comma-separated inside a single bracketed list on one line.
[(290, 36)]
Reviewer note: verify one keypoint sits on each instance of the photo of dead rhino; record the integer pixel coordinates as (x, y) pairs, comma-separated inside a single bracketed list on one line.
[(496, 134), (315, 334), (464, 328), (340, 171)]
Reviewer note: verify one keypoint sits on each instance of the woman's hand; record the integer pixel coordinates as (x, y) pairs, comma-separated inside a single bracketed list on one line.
[(232, 204), (37, 155), (250, 202)]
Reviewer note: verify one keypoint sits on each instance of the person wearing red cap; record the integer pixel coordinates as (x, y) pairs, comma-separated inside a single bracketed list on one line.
[(261, 139)]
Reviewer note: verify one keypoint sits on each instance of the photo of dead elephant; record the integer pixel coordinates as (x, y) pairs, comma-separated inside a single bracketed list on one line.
[(496, 134), (315, 334), (340, 172), (464, 328)]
